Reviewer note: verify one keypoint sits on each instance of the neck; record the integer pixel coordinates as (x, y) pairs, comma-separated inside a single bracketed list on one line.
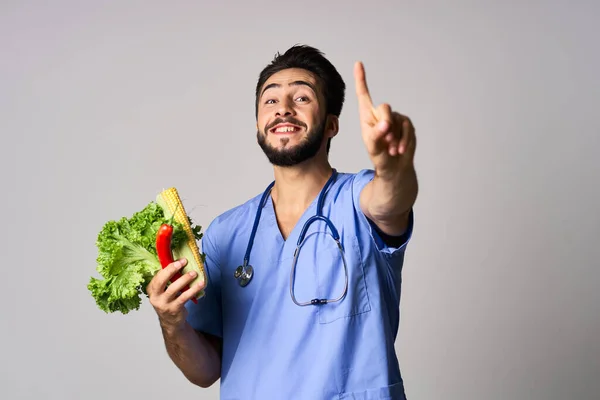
[(296, 187)]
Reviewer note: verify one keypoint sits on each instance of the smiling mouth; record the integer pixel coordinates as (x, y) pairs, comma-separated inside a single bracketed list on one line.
[(285, 129)]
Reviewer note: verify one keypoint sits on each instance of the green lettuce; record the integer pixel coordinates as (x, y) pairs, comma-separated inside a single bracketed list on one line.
[(127, 258)]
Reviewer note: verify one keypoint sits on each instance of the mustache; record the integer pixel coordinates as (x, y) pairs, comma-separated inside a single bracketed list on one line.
[(289, 120)]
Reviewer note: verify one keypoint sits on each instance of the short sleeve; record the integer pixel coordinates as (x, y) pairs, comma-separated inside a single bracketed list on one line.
[(206, 315), (361, 179)]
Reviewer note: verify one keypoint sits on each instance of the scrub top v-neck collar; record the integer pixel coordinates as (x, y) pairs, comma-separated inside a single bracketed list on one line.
[(269, 213), (272, 220)]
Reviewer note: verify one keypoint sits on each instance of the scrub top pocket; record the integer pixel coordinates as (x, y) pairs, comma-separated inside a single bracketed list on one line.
[(331, 280)]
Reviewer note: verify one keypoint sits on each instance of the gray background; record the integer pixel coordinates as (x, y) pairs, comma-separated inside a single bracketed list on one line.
[(102, 104)]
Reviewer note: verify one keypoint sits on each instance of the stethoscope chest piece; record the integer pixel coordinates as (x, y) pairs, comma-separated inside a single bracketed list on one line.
[(243, 274)]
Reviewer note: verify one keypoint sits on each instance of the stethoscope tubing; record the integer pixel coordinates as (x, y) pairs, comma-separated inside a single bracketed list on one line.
[(245, 272)]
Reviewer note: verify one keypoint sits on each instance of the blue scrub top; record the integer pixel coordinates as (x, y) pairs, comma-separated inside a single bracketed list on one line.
[(274, 349)]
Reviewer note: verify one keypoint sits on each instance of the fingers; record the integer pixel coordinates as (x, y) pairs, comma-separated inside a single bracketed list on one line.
[(385, 119), (399, 143), (408, 140), (180, 285), (168, 303), (158, 284), (362, 91), (189, 294), (400, 136), (383, 129)]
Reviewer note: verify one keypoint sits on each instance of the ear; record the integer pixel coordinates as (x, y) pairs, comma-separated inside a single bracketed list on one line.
[(332, 127)]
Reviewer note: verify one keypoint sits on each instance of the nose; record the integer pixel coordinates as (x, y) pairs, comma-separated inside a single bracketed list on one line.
[(285, 108)]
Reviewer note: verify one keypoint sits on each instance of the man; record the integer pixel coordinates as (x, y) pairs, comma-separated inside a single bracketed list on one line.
[(318, 322)]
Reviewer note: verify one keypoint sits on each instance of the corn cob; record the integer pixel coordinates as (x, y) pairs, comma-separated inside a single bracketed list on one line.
[(170, 202)]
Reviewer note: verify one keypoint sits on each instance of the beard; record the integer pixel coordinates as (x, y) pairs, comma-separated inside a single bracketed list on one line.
[(290, 156)]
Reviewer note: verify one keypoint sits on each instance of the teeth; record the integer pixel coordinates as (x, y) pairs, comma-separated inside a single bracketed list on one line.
[(285, 129)]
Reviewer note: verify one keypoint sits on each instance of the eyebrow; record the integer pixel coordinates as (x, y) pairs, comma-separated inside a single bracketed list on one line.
[(294, 83)]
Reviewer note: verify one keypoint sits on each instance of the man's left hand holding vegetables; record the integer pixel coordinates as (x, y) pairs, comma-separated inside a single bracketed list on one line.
[(195, 354)]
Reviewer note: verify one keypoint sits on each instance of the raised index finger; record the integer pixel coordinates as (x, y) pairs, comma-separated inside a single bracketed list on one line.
[(362, 91)]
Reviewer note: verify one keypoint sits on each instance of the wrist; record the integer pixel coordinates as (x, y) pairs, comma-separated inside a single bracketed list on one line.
[(173, 328), (394, 176), (393, 193)]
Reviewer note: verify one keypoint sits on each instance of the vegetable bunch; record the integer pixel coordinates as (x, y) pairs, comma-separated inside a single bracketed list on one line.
[(128, 258)]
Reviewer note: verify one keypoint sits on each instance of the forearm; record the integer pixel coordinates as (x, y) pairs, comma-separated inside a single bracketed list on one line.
[(193, 353), (387, 200)]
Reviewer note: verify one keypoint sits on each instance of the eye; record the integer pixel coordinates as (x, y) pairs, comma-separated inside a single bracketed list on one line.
[(302, 98), (270, 101)]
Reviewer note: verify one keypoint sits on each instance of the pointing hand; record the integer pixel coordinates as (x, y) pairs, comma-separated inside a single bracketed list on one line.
[(388, 135)]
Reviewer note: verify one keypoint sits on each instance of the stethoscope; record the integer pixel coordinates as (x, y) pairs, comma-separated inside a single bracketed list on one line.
[(244, 273)]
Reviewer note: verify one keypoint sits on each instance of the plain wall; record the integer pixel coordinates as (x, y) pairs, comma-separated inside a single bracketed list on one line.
[(103, 104)]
